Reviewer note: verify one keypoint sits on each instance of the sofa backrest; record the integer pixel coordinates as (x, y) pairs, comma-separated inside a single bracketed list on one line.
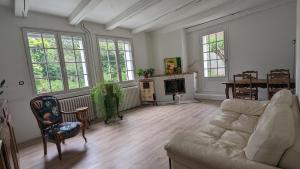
[(275, 131), (290, 159)]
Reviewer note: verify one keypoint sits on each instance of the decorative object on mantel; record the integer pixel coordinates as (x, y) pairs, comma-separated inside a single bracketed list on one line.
[(107, 98), (1, 86), (147, 91), (145, 72), (173, 66)]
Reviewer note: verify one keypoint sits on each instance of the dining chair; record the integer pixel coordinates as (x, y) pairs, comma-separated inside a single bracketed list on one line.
[(46, 110), (254, 75), (278, 80), (243, 87)]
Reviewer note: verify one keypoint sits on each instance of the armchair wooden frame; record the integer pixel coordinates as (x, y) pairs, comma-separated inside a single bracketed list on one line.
[(58, 138)]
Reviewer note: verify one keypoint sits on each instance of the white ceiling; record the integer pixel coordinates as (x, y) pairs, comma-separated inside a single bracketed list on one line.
[(139, 15)]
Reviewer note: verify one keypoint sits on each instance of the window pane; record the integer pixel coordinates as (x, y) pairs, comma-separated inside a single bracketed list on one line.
[(213, 73), (35, 40), (83, 81), (111, 45), (205, 73), (127, 46), (205, 39), (206, 64), (124, 75), (112, 56), (105, 67), (221, 63), (128, 56), (81, 67), (130, 75), (52, 55), (206, 48), (71, 69), (67, 42), (213, 55), (212, 38), (214, 64), (73, 82), (121, 45), (39, 70), (49, 41), (42, 86), (129, 65), (113, 67), (78, 43), (104, 56), (69, 55), (221, 71), (205, 56), (220, 36), (37, 55), (103, 45), (212, 47), (54, 70), (80, 56), (56, 85), (114, 77)]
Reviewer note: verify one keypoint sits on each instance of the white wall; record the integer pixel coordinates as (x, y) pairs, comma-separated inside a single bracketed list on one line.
[(261, 41), (14, 68), (298, 51)]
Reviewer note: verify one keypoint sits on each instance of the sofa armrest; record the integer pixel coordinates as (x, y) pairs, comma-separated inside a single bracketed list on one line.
[(249, 107)]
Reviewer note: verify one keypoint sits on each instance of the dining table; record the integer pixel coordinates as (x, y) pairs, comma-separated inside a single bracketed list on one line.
[(259, 83)]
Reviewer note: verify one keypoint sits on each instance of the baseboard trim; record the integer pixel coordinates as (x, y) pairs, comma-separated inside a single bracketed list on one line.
[(206, 96)]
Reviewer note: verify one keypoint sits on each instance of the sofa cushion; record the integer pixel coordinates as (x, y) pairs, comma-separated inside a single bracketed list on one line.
[(248, 107), (274, 133)]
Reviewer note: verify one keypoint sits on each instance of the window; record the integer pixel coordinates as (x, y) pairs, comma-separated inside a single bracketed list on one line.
[(214, 55), (116, 59), (56, 66)]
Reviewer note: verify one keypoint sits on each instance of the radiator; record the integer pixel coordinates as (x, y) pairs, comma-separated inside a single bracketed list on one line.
[(131, 98), (70, 104)]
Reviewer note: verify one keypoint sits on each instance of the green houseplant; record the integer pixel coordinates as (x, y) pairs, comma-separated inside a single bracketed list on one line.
[(1, 86), (107, 98), (145, 72)]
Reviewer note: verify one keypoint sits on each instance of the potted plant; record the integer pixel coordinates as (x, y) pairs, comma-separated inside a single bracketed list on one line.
[(145, 72), (107, 98), (1, 86)]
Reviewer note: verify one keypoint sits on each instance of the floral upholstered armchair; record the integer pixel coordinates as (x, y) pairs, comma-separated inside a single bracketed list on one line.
[(47, 111)]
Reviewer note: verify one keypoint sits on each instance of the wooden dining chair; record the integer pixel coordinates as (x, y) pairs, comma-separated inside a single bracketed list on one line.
[(242, 87), (254, 75), (287, 71), (278, 80)]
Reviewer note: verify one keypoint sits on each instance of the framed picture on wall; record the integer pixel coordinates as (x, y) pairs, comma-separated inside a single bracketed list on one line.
[(173, 65)]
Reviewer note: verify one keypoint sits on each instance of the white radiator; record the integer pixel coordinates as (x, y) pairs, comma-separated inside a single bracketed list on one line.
[(131, 98), (70, 104)]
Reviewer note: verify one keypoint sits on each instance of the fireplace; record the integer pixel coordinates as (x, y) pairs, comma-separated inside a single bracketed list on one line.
[(174, 86)]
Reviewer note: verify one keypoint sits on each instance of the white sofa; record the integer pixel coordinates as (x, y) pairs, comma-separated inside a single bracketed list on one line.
[(243, 134)]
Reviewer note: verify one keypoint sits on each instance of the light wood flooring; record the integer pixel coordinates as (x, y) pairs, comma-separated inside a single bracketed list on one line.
[(136, 142)]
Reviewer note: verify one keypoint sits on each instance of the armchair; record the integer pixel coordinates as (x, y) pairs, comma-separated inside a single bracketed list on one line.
[(46, 110)]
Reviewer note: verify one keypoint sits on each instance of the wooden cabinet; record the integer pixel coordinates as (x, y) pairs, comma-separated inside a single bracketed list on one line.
[(9, 150)]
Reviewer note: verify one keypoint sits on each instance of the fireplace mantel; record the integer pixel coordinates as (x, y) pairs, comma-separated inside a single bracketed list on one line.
[(174, 75), (190, 86)]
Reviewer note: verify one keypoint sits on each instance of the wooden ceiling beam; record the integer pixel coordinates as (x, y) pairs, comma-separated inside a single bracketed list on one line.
[(82, 10), (21, 7), (130, 12)]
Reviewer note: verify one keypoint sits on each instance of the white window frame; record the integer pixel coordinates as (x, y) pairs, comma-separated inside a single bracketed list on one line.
[(57, 35), (115, 39), (226, 59)]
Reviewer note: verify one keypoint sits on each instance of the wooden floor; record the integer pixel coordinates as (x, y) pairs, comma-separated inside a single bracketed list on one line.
[(136, 142)]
